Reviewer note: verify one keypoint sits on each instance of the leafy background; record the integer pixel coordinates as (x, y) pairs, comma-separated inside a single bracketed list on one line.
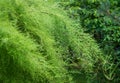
[(101, 19), (59, 41)]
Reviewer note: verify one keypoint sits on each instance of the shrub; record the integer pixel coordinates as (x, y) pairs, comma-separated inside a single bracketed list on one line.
[(40, 44), (100, 18)]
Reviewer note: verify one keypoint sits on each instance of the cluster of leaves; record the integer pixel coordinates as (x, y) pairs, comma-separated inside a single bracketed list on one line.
[(40, 44), (27, 52), (100, 18)]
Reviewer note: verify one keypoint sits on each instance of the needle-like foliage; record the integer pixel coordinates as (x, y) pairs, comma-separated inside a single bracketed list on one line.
[(40, 44)]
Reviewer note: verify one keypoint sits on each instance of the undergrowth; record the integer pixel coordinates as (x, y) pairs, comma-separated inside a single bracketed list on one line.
[(40, 44)]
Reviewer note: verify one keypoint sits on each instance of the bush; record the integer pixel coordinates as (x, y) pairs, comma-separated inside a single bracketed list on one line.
[(40, 44), (101, 19)]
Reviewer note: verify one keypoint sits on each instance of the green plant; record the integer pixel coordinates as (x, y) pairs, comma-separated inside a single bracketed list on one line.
[(39, 43), (100, 18)]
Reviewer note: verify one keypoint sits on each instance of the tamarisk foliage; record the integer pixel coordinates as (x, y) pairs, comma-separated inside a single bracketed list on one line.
[(39, 43)]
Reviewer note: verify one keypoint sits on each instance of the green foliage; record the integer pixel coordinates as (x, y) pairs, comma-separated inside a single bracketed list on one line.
[(100, 18), (27, 50), (40, 44)]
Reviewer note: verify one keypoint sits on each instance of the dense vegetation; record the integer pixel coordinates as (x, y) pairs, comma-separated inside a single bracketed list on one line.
[(42, 43), (101, 19)]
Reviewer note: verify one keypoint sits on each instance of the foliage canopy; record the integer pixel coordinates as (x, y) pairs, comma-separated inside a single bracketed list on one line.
[(39, 43)]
